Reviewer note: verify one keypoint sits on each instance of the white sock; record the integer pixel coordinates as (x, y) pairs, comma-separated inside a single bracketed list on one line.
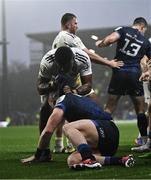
[(59, 142)]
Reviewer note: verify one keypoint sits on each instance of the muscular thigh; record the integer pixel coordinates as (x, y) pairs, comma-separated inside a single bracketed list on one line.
[(89, 131)]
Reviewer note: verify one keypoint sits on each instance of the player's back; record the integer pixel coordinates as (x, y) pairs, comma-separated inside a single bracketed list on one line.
[(131, 46), (47, 66), (77, 107)]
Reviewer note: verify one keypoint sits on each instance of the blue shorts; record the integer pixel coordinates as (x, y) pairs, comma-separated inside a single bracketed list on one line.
[(126, 83), (108, 137)]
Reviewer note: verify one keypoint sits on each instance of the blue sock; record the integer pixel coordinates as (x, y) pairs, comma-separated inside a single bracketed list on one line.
[(142, 124), (85, 151), (109, 160)]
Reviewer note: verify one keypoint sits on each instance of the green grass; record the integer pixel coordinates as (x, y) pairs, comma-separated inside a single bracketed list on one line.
[(20, 142)]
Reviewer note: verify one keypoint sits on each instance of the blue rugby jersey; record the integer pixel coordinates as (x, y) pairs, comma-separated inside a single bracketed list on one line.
[(79, 107), (131, 47)]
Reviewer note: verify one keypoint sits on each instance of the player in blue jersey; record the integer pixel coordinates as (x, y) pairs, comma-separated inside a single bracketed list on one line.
[(131, 48), (100, 135)]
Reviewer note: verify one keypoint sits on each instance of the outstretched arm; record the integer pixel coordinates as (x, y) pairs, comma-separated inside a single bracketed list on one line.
[(54, 120), (108, 40), (43, 153), (100, 60)]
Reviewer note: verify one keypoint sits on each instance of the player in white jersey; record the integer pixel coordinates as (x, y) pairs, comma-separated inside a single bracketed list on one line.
[(53, 76), (67, 37), (49, 68)]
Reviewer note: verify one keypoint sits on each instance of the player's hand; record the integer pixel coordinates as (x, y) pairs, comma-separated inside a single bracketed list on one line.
[(67, 89), (116, 64), (28, 160), (97, 43), (144, 76)]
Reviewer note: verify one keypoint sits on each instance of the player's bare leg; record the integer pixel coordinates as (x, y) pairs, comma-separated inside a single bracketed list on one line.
[(85, 140), (111, 103)]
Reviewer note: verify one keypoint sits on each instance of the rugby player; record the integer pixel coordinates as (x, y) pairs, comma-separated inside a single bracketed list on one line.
[(67, 37), (131, 48), (90, 129)]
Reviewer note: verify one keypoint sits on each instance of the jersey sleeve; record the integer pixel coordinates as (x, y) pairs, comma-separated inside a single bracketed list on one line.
[(79, 43), (119, 30), (60, 103), (64, 102), (87, 68), (46, 65)]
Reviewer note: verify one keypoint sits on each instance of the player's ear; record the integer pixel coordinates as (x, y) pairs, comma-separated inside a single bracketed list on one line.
[(67, 25)]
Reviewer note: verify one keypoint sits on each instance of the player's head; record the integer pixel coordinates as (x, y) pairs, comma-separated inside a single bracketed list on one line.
[(64, 58), (142, 23), (69, 22)]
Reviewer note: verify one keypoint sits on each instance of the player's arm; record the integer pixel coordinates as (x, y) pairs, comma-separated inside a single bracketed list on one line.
[(146, 69), (143, 64), (146, 64), (54, 120), (45, 86), (100, 60), (95, 58), (108, 40)]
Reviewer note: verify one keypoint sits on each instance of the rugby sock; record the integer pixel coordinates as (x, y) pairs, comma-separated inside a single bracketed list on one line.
[(109, 160), (85, 151), (142, 124), (42, 154), (59, 142)]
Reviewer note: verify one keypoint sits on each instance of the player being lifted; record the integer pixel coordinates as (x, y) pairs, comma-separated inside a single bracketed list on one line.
[(131, 48)]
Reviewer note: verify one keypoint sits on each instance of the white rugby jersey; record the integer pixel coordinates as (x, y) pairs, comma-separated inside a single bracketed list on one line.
[(65, 38), (48, 68)]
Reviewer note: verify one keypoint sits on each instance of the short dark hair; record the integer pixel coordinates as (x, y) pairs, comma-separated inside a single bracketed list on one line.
[(140, 20), (64, 58), (66, 18)]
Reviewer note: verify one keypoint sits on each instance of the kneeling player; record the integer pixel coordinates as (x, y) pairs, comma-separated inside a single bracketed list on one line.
[(72, 108)]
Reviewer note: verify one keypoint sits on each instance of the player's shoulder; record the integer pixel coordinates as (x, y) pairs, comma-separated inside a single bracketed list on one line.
[(51, 52), (78, 51), (66, 33), (49, 56), (123, 28), (118, 28)]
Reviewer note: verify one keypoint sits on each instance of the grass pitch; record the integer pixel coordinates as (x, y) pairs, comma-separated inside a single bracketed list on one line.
[(21, 142)]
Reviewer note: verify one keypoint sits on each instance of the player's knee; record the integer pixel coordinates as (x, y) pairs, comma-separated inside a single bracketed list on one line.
[(66, 129)]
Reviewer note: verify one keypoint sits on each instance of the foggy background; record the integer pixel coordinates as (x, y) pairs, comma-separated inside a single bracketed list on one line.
[(30, 16), (20, 99)]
